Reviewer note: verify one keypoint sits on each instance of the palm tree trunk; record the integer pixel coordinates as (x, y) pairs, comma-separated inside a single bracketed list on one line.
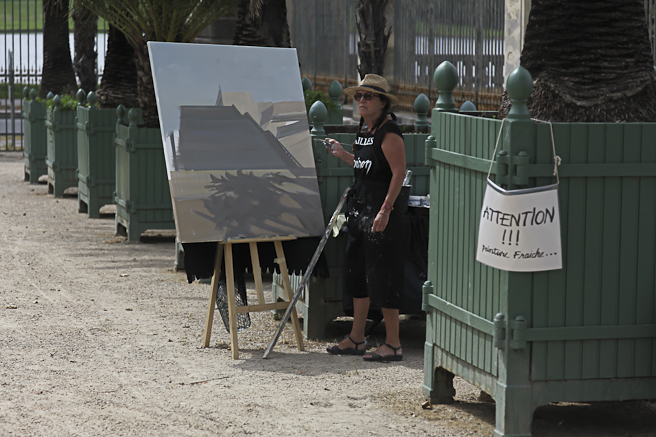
[(85, 25), (58, 75), (146, 87), (265, 26), (590, 61), (119, 81), (372, 47)]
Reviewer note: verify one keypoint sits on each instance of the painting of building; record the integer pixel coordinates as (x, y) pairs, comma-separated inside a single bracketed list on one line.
[(236, 141)]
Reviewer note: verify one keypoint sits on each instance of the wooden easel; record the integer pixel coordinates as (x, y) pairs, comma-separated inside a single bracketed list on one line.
[(226, 248)]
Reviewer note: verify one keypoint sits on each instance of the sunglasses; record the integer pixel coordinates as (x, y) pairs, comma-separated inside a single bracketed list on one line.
[(367, 96)]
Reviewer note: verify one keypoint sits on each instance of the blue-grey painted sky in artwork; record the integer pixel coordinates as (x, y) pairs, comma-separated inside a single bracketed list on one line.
[(190, 74)]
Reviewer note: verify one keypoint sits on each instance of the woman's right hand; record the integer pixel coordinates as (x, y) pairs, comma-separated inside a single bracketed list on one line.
[(334, 147)]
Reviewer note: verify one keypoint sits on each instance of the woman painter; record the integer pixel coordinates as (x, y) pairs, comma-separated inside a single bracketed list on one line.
[(374, 258)]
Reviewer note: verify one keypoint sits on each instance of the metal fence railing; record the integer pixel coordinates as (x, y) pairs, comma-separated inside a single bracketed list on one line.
[(21, 48), (325, 37), (468, 33)]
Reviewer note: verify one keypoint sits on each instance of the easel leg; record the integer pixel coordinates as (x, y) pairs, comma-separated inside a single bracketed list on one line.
[(257, 272), (232, 305), (290, 295), (215, 288)]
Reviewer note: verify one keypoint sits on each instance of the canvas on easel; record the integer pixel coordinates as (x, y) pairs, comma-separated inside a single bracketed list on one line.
[(238, 155), (236, 141)]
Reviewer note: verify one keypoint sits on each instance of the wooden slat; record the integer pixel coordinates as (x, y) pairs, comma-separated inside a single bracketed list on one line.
[(593, 256), (628, 261), (473, 186), (610, 268), (450, 220), (569, 333), (288, 291), (213, 292), (257, 272), (645, 364), (494, 284), (460, 193), (469, 245), (497, 284), (541, 281), (478, 340), (589, 170), (230, 287), (495, 290), (557, 281), (441, 193), (461, 315), (453, 238), (442, 190), (262, 307), (575, 252), (261, 240)]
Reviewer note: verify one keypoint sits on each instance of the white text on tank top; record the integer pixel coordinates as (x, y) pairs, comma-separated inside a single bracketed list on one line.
[(363, 164)]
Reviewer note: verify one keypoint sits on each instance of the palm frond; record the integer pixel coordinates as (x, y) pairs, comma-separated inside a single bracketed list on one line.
[(159, 20)]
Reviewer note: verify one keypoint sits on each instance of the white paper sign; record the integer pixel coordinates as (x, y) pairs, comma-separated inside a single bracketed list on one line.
[(519, 230)]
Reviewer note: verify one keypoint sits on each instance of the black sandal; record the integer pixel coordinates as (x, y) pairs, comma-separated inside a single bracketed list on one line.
[(386, 358), (335, 350)]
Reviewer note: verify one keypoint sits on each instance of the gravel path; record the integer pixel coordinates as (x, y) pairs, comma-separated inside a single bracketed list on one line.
[(100, 336)]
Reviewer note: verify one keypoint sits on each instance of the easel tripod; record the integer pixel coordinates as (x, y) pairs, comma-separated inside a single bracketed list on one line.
[(225, 249)]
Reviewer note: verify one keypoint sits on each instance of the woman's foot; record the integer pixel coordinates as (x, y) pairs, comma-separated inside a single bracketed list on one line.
[(348, 346), (385, 353)]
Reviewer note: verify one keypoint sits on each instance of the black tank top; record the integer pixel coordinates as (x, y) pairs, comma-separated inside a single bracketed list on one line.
[(369, 162)]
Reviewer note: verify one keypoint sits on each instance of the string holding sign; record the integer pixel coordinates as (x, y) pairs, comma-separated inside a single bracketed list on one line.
[(519, 230)]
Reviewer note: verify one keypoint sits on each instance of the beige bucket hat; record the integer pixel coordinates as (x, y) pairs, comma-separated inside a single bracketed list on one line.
[(373, 83)]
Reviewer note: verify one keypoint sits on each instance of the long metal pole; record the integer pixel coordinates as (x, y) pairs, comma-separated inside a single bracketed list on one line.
[(306, 276), (12, 103)]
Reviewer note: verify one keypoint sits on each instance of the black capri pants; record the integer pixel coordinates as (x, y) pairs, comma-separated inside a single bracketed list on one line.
[(374, 262)]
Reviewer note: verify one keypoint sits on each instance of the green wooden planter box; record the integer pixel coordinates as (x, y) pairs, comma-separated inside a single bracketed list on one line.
[(142, 195), (96, 157), (35, 146), (62, 149), (584, 333), (321, 301)]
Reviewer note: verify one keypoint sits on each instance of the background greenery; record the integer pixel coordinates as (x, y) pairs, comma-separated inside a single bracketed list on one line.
[(312, 95)]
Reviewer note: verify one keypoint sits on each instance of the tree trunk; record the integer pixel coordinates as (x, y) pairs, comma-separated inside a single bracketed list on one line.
[(372, 47), (86, 58), (590, 62), (267, 27), (58, 75), (146, 87), (119, 81)]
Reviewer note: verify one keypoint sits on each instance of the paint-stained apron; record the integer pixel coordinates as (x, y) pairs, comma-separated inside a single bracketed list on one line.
[(374, 262)]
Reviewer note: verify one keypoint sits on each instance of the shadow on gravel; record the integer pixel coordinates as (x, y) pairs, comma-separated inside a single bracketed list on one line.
[(11, 156), (598, 419), (595, 419)]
